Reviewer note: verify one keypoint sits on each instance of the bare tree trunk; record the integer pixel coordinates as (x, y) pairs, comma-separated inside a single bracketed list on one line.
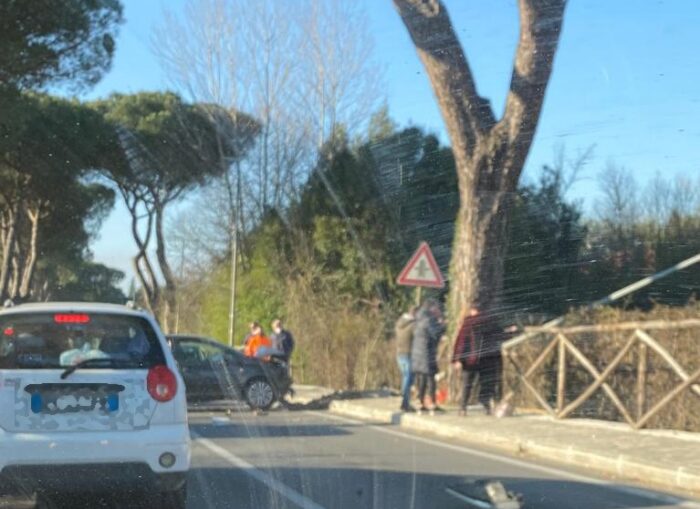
[(478, 255), (147, 278), (8, 248), (489, 153), (44, 293), (18, 258), (170, 293), (30, 259), (151, 292), (16, 276)]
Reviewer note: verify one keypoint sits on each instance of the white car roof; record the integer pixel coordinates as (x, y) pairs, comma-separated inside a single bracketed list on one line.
[(82, 307)]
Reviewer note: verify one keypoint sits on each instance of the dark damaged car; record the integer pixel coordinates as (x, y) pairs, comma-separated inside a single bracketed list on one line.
[(213, 371)]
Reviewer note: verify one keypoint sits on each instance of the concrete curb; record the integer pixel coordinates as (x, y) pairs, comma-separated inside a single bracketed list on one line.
[(619, 466)]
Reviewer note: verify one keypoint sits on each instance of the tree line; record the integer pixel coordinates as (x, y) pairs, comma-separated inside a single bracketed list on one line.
[(396, 187), (327, 262), (49, 207), (268, 140), (64, 162)]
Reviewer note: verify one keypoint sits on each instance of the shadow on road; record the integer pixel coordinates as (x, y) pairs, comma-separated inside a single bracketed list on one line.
[(358, 488), (350, 488), (250, 429)]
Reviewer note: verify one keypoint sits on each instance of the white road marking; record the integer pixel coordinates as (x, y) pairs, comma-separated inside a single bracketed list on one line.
[(293, 496), (630, 490), (469, 500)]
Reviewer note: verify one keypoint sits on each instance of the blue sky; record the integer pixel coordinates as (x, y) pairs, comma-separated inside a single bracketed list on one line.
[(625, 79)]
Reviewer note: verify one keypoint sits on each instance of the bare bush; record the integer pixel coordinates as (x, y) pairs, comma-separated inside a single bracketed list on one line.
[(339, 344), (304, 70)]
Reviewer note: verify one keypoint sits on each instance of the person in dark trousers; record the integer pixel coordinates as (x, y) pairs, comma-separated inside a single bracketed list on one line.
[(477, 352), (403, 331), (467, 353), (282, 339), (490, 363), (428, 330)]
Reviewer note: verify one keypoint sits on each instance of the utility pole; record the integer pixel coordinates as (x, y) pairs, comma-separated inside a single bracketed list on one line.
[(232, 300), (235, 211), (182, 278)]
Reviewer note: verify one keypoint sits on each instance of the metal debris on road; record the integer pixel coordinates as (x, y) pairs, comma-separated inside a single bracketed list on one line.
[(221, 421), (485, 494)]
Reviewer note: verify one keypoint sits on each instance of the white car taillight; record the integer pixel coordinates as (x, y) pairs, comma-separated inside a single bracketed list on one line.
[(161, 383)]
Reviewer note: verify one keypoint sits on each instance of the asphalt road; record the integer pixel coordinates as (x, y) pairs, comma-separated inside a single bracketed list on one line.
[(315, 460)]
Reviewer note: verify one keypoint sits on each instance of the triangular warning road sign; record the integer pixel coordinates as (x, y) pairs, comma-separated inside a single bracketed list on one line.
[(421, 270)]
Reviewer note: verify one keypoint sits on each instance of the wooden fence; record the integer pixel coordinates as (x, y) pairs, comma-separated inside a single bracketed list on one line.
[(560, 351)]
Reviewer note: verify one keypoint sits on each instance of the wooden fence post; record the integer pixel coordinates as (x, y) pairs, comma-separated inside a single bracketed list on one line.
[(561, 376), (566, 349), (641, 379)]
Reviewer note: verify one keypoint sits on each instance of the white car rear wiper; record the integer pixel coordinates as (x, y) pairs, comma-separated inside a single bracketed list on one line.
[(107, 361)]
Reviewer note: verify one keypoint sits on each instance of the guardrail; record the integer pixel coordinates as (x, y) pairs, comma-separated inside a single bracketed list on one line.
[(638, 337)]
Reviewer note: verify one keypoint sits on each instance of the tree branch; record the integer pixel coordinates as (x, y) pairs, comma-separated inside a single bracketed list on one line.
[(540, 27), (145, 283), (467, 114), (165, 268), (148, 280), (9, 239), (34, 214)]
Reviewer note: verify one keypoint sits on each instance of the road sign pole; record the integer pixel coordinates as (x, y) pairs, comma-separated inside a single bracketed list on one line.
[(419, 291)]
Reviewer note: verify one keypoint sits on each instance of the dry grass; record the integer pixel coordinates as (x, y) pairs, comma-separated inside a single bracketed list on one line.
[(682, 413), (340, 344)]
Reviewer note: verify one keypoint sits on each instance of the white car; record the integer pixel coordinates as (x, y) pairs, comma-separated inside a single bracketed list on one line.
[(91, 400)]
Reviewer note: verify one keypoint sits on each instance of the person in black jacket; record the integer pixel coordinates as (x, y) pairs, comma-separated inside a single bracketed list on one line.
[(282, 339)]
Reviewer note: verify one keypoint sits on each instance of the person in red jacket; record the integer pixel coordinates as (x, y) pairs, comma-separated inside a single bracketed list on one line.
[(467, 352), (257, 342)]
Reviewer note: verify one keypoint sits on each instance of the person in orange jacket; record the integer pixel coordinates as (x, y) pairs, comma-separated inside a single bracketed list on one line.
[(256, 341)]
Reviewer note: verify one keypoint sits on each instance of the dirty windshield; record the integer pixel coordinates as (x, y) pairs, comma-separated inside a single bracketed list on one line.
[(350, 254), (59, 340)]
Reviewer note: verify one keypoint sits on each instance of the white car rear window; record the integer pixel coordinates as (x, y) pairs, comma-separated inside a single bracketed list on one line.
[(60, 339)]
